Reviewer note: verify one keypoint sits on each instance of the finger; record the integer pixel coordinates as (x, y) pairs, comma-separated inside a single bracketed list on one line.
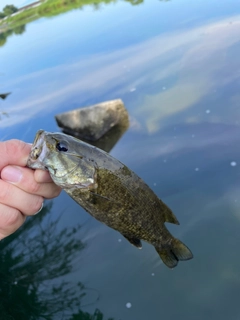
[(14, 152), (24, 179), (42, 176), (14, 197), (10, 220)]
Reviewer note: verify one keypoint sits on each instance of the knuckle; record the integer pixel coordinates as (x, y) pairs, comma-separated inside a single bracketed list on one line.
[(13, 219), (5, 192), (34, 187), (14, 151), (14, 146)]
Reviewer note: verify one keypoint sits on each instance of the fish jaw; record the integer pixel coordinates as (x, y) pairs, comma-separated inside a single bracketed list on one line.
[(38, 153)]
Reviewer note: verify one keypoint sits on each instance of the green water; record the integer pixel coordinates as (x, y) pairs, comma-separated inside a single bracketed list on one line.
[(175, 64)]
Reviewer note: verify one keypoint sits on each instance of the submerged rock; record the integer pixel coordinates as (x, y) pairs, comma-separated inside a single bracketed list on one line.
[(101, 125), (91, 123)]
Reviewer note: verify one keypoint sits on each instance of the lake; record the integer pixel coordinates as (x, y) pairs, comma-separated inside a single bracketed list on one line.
[(175, 65)]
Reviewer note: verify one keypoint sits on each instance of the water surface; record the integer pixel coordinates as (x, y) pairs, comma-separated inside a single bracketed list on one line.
[(175, 64)]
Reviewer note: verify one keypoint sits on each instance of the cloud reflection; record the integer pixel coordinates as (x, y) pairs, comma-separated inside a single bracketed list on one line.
[(181, 68)]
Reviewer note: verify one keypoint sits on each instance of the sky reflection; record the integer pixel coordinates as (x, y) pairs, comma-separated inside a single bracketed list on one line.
[(167, 74)]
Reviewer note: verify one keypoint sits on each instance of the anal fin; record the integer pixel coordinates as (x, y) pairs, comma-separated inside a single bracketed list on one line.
[(134, 241)]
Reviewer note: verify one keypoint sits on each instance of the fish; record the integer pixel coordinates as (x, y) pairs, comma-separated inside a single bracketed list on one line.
[(109, 191)]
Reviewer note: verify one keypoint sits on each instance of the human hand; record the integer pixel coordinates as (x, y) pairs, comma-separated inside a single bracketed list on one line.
[(22, 190)]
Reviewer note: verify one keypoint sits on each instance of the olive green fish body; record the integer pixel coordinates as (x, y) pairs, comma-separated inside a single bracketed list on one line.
[(118, 194), (109, 191)]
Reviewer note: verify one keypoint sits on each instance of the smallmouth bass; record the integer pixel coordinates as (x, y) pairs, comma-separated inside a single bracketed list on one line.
[(109, 191)]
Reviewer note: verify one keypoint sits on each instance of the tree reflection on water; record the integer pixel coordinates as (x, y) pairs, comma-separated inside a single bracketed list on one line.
[(49, 8), (34, 263)]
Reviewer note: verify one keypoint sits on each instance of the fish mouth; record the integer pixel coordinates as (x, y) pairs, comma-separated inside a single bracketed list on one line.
[(39, 152)]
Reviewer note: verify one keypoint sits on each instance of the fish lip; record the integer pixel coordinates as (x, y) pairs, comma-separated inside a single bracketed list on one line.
[(38, 152)]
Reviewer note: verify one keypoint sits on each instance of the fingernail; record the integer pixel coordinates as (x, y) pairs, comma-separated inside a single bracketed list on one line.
[(38, 210), (11, 174)]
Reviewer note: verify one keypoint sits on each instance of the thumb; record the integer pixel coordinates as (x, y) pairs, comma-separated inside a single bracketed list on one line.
[(14, 152)]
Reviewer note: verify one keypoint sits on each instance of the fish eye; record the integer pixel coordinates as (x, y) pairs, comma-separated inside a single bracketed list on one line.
[(62, 146)]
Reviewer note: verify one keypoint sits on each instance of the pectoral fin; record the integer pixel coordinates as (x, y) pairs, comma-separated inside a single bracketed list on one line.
[(134, 241)]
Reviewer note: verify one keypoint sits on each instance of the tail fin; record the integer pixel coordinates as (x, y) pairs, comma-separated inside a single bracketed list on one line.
[(174, 252)]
